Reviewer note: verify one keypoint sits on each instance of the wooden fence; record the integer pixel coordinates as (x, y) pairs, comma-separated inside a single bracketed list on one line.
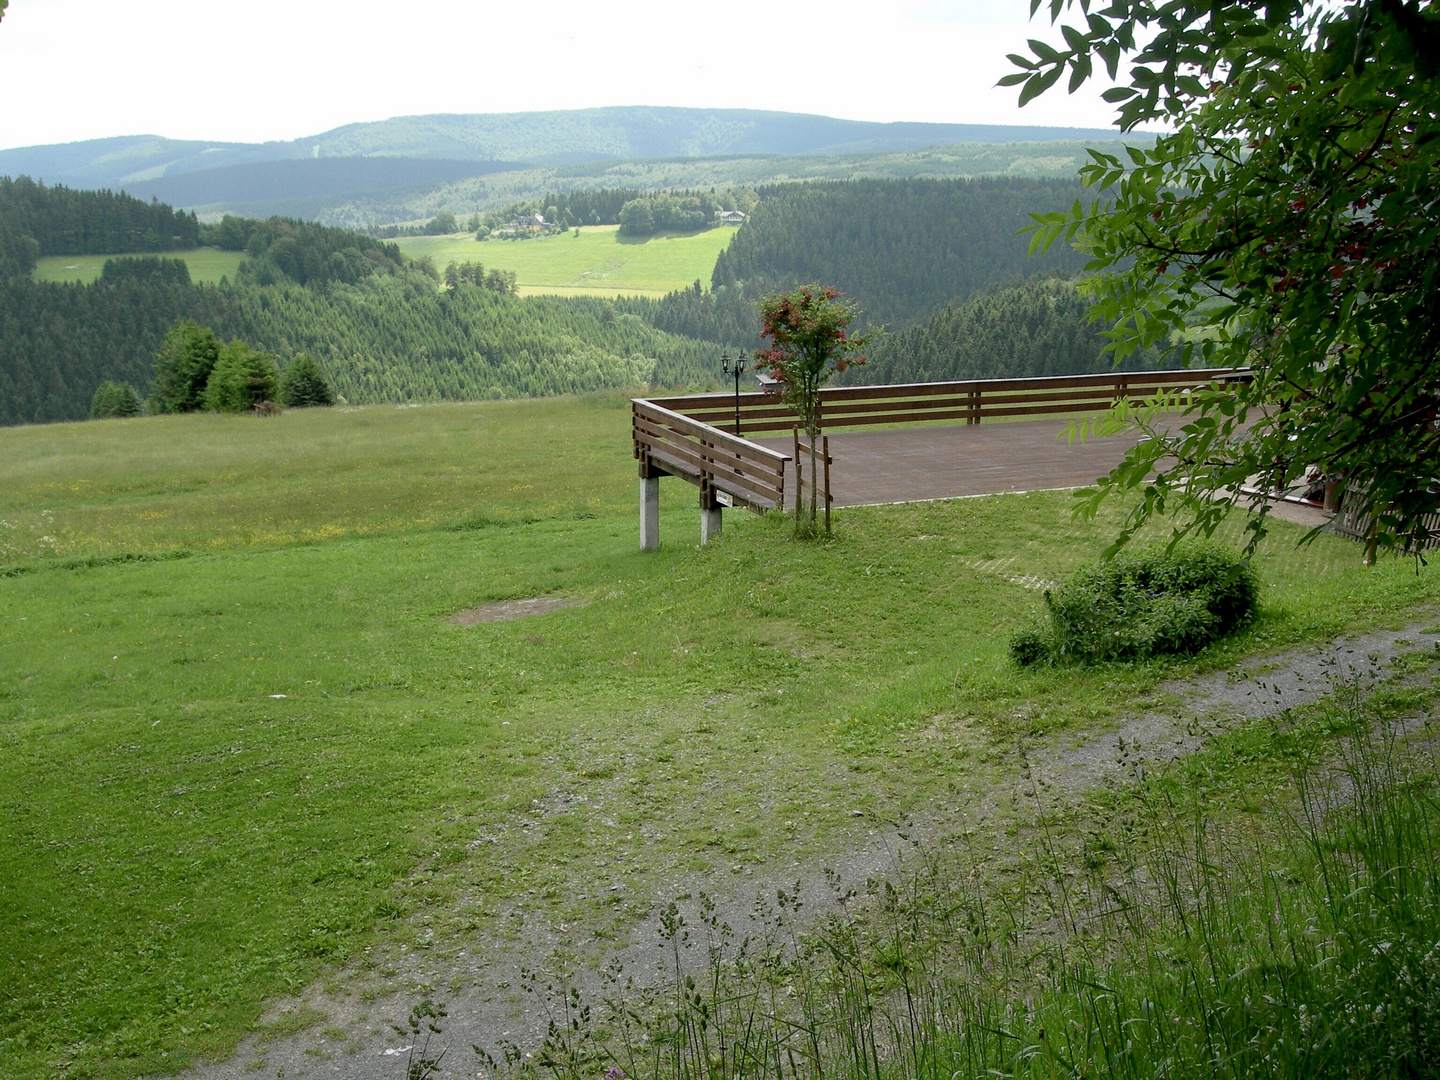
[(720, 464), (971, 402), (1353, 522), (688, 437)]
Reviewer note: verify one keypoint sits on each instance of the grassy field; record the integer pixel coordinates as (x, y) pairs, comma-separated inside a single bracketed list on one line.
[(598, 262), (206, 264), (240, 741)]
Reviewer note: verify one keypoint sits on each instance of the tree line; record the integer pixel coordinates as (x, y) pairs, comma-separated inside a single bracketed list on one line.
[(301, 251), (380, 329), (39, 220)]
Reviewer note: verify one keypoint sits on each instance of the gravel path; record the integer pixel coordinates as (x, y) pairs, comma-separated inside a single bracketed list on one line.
[(357, 1040)]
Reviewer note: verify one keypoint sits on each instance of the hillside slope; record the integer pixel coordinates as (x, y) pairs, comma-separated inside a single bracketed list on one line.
[(902, 249), (1035, 328), (389, 338), (1032, 160), (380, 325), (303, 187), (554, 137)]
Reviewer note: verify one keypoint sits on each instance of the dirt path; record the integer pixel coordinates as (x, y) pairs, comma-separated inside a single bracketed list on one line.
[(481, 988)]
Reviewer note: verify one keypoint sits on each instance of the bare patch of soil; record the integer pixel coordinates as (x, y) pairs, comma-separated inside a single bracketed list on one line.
[(504, 610)]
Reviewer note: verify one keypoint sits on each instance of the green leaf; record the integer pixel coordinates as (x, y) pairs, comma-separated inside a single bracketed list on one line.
[(1038, 84), (1075, 39), (1046, 53)]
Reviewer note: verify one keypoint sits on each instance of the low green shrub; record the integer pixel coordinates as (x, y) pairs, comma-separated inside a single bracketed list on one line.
[(1132, 607)]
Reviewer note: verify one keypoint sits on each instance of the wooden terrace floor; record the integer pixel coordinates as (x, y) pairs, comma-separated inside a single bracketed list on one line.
[(913, 464)]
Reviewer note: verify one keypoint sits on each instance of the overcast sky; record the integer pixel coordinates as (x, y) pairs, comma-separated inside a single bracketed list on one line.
[(280, 69)]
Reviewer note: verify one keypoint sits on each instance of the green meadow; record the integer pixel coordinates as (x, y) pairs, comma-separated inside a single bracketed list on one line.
[(597, 262), (206, 264), (242, 743)]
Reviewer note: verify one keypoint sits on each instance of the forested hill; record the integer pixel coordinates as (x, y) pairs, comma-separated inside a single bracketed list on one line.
[(65, 222), (381, 327), (901, 248), (1034, 328), (388, 338)]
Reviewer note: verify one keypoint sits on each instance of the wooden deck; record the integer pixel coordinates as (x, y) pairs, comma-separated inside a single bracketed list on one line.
[(914, 464), (999, 435)]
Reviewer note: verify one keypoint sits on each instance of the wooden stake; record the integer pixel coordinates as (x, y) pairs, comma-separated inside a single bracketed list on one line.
[(799, 479), (825, 449)]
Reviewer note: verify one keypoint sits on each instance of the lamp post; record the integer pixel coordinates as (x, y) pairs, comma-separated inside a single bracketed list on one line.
[(736, 367)]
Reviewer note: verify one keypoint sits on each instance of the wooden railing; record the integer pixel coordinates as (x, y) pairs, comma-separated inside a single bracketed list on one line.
[(719, 463), (696, 436), (972, 402)]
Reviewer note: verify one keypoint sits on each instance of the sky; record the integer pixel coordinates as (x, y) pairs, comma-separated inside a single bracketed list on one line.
[(281, 69)]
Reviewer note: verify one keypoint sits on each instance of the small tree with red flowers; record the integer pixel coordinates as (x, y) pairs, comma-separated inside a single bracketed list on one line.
[(810, 340)]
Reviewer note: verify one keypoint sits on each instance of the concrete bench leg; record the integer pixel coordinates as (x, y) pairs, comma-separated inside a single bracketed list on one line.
[(650, 514), (709, 524)]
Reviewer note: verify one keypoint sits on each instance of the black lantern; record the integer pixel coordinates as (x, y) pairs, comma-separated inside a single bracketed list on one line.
[(735, 367)]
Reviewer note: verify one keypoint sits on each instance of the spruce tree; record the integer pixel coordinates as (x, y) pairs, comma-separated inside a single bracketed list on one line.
[(243, 377), (114, 399), (182, 368), (303, 384)]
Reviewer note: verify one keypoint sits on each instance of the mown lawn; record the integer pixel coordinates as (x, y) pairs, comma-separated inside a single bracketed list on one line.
[(598, 262), (223, 770), (206, 264)]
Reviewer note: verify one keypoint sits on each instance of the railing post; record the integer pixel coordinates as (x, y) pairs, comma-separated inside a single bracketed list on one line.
[(649, 513), (710, 522), (709, 506)]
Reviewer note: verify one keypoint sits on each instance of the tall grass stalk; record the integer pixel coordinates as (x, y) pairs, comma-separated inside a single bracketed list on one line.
[(1300, 942)]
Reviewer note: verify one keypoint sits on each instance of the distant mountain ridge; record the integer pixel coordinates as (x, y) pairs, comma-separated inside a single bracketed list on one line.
[(291, 188), (539, 138)]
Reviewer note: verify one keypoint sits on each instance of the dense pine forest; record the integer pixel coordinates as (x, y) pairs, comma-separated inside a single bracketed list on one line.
[(60, 221), (902, 248), (281, 249), (392, 337), (1035, 328)]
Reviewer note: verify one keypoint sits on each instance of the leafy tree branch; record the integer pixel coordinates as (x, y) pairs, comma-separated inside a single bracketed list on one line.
[(1289, 221)]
